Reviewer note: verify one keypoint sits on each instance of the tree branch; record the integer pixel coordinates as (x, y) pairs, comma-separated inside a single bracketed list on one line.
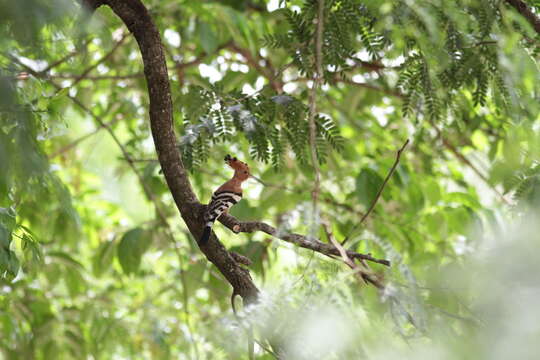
[(266, 71), (374, 202), (398, 156), (522, 8), (137, 19), (447, 144), (77, 141), (87, 71), (296, 239), (317, 77), (63, 59), (364, 274)]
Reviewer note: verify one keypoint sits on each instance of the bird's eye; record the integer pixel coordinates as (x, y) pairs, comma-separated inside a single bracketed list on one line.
[(245, 172)]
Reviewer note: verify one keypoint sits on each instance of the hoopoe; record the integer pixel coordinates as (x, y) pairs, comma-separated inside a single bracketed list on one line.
[(225, 196)]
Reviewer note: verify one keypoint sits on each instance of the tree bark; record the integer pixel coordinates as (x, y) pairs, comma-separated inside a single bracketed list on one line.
[(526, 12)]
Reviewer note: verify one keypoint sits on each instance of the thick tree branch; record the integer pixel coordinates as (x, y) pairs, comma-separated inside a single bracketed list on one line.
[(522, 8), (137, 19)]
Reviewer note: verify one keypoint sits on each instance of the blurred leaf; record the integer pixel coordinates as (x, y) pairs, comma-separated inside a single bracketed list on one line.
[(131, 248), (209, 39), (5, 237), (194, 276), (8, 218), (103, 258), (244, 211), (368, 183)]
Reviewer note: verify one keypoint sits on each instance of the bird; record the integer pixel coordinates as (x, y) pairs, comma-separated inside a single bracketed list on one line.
[(225, 196)]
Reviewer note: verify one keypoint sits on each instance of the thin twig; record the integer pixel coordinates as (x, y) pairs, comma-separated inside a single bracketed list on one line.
[(266, 184), (77, 141), (339, 79), (390, 92), (447, 144), (87, 71), (63, 59), (97, 77), (179, 66), (363, 274), (374, 202), (317, 77), (267, 71)]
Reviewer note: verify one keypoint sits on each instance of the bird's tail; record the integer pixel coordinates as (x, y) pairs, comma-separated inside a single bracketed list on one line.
[(206, 233)]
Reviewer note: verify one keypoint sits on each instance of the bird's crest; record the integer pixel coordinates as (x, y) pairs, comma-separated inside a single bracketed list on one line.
[(236, 164)]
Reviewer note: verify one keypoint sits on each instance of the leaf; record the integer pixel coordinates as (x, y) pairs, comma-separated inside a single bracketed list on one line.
[(103, 258), (66, 259), (368, 182), (416, 198), (7, 217), (9, 264), (244, 211), (209, 40), (75, 282), (194, 275), (131, 248), (5, 237)]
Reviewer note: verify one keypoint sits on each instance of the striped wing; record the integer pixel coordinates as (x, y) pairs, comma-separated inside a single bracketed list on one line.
[(220, 202)]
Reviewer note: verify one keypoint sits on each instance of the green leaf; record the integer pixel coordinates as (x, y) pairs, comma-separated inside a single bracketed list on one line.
[(65, 259), (209, 39), (5, 237), (9, 264), (8, 217), (244, 211), (368, 183), (103, 258), (194, 276), (131, 248), (75, 282), (463, 199)]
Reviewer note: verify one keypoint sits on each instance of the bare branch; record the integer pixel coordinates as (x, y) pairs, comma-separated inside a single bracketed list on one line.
[(266, 71), (339, 79), (87, 71), (296, 239), (79, 140), (65, 76), (374, 202), (317, 77), (363, 274)]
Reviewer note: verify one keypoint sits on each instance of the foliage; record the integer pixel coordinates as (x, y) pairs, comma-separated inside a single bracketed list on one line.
[(270, 125), (88, 267)]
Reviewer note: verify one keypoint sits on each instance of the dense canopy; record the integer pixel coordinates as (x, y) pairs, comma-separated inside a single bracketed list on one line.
[(394, 148)]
